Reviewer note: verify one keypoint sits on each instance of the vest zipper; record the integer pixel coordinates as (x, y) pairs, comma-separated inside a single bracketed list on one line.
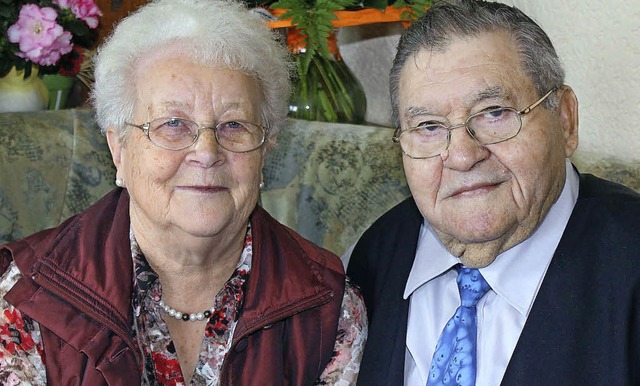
[(53, 282), (258, 324)]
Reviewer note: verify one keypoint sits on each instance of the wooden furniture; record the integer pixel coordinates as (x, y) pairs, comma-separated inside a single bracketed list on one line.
[(352, 18), (114, 10)]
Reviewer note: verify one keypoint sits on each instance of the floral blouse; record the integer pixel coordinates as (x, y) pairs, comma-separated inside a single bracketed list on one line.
[(22, 360)]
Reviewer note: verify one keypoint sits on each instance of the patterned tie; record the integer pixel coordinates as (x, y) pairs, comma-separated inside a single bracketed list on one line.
[(454, 361)]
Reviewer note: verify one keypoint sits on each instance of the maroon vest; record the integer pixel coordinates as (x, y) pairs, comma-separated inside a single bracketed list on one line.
[(77, 285)]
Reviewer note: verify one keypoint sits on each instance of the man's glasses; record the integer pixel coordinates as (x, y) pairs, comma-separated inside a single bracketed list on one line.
[(174, 133), (487, 127)]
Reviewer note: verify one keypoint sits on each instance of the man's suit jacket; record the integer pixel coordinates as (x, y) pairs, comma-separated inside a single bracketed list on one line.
[(584, 326)]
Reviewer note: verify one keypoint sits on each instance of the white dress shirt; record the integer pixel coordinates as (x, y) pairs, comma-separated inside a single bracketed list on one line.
[(515, 277)]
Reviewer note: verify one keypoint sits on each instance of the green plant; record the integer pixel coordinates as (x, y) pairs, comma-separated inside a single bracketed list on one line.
[(414, 8), (313, 18), (328, 92), (325, 89)]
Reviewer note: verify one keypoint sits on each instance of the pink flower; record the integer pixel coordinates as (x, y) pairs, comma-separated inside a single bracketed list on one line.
[(85, 10), (41, 39)]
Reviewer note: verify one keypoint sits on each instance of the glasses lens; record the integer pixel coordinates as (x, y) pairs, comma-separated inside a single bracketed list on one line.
[(173, 133), (424, 141), (495, 125), (239, 136)]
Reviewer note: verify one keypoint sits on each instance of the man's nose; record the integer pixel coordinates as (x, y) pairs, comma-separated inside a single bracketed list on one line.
[(464, 151)]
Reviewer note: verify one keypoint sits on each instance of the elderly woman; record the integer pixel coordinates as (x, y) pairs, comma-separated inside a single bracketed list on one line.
[(178, 276)]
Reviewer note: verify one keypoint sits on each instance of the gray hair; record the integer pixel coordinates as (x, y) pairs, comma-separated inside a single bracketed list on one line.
[(447, 20), (214, 32)]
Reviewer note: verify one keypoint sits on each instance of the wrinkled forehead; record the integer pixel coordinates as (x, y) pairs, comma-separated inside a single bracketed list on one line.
[(486, 63), (492, 47), (180, 63), (174, 87), (210, 54)]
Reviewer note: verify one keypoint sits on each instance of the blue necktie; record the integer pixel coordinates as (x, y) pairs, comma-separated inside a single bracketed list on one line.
[(454, 361)]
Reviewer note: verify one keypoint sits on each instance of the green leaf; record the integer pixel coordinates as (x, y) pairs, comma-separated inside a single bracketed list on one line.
[(377, 4), (313, 19), (414, 8)]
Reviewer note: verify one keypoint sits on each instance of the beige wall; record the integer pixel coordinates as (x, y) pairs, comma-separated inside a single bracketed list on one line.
[(599, 43)]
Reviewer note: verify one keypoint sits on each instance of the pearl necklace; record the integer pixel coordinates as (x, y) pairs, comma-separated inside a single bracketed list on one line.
[(196, 316)]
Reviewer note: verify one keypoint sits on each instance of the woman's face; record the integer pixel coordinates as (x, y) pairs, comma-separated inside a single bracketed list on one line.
[(203, 190)]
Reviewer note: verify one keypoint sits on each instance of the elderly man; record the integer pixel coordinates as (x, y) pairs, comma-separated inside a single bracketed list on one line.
[(538, 264)]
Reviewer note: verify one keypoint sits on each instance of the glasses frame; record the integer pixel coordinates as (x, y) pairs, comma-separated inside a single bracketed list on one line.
[(146, 128), (519, 113)]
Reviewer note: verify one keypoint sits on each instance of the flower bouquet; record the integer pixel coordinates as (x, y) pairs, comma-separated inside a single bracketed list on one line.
[(47, 33), (43, 37)]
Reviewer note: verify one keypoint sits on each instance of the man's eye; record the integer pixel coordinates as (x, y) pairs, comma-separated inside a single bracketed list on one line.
[(495, 112), (494, 116), (429, 126)]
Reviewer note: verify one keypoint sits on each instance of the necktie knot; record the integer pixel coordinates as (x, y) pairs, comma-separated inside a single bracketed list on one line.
[(472, 286)]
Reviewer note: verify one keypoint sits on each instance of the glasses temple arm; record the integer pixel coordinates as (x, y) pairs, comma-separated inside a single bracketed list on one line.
[(536, 103)]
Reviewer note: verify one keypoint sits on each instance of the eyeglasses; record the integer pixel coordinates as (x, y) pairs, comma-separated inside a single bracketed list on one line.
[(430, 139), (174, 133)]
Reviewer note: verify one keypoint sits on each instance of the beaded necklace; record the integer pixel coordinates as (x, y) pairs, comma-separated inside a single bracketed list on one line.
[(196, 316)]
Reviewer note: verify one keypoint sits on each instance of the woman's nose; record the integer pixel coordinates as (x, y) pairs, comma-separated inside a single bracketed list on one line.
[(206, 150)]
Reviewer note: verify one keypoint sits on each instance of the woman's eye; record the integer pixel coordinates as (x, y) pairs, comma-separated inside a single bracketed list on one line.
[(174, 127), (231, 126), (174, 123)]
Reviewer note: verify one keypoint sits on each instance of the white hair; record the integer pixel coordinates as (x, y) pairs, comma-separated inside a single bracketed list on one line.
[(220, 33)]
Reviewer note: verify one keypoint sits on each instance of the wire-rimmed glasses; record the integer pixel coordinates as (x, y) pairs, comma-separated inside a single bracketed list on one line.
[(174, 133), (486, 127)]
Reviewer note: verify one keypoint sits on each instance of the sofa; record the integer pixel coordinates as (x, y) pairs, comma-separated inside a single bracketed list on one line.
[(327, 181)]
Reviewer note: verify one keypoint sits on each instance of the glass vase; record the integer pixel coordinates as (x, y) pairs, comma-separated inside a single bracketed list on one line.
[(18, 93), (327, 91), (59, 87)]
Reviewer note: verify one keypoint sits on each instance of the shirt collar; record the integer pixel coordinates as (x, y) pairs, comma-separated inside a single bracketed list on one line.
[(432, 259), (517, 273), (144, 277)]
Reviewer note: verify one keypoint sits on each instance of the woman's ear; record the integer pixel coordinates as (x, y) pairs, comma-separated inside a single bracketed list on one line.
[(269, 145), (115, 146), (568, 115)]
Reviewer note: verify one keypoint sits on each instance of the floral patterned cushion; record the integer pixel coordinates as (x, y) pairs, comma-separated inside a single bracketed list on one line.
[(52, 164), (330, 181), (327, 181)]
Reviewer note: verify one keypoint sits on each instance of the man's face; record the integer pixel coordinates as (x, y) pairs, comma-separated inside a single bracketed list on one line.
[(482, 200)]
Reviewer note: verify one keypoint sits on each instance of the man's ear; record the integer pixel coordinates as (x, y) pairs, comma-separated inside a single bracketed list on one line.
[(568, 114)]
